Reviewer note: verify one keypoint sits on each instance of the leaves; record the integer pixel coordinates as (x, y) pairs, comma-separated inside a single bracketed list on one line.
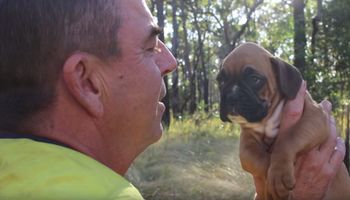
[(208, 30)]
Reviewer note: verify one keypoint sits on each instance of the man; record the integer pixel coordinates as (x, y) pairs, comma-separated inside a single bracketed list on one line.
[(86, 74), (80, 90)]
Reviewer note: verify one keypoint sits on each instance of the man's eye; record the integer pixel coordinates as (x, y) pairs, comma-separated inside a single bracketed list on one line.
[(153, 49)]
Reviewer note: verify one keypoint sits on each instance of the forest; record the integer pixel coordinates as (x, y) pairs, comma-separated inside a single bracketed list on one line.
[(313, 35)]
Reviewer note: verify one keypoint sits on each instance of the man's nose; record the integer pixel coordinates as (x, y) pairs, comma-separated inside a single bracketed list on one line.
[(165, 59)]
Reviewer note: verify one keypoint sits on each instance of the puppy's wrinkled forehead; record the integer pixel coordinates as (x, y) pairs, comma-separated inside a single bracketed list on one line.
[(248, 55)]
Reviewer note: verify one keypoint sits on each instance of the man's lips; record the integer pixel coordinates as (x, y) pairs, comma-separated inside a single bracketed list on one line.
[(162, 92)]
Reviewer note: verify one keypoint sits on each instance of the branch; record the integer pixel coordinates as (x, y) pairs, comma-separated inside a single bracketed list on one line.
[(245, 25), (216, 18)]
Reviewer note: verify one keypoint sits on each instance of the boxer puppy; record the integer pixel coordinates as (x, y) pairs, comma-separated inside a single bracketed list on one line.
[(254, 85)]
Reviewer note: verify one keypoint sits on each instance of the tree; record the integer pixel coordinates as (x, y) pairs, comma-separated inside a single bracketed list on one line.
[(299, 35), (175, 75)]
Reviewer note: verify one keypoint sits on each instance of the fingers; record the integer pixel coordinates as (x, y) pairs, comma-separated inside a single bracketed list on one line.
[(334, 147), (327, 106), (328, 147), (293, 109), (338, 153)]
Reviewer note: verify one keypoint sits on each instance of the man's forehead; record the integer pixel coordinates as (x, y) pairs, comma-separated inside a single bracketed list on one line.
[(136, 13), (137, 18)]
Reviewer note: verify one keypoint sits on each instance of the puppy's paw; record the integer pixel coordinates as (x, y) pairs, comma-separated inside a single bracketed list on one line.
[(280, 181)]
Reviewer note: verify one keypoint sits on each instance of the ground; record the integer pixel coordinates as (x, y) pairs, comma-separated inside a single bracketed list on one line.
[(193, 162)]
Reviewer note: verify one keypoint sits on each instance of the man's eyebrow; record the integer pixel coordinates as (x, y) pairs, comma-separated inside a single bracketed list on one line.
[(154, 31)]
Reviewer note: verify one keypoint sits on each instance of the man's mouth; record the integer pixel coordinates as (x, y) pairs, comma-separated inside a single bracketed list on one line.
[(162, 92)]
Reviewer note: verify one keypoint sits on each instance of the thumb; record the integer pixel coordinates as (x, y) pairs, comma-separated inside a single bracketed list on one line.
[(293, 109)]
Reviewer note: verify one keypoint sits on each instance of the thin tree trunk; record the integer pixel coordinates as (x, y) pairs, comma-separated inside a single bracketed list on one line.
[(315, 21), (175, 75), (203, 83), (299, 35), (193, 83), (188, 73), (346, 159)]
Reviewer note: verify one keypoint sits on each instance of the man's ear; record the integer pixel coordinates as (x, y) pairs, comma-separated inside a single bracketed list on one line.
[(288, 77), (80, 75)]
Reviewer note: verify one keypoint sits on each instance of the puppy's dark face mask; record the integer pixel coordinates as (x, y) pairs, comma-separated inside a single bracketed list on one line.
[(240, 95), (240, 91)]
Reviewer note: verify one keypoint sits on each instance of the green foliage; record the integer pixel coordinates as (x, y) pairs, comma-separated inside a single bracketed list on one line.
[(329, 71), (271, 25), (201, 124)]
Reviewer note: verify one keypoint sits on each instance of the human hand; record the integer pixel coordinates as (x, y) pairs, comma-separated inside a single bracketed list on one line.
[(316, 169)]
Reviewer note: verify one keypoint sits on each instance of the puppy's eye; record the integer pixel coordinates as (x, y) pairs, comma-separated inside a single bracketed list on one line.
[(256, 81)]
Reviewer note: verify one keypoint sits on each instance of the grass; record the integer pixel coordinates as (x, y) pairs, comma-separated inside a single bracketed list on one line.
[(196, 159)]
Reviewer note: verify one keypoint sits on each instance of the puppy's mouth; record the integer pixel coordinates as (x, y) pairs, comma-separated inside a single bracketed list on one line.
[(243, 104)]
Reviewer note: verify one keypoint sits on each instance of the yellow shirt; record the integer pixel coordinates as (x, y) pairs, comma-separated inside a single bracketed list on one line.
[(31, 170)]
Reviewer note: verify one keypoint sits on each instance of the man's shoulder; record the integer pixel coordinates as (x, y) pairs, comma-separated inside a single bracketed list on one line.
[(47, 171)]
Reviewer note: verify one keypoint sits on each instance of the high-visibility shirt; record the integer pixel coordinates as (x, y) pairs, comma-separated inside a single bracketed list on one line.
[(32, 170)]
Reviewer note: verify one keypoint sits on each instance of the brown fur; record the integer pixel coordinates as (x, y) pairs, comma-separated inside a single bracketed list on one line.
[(275, 167)]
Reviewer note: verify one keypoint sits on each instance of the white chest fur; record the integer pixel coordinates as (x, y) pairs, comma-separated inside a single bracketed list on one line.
[(273, 123), (269, 128)]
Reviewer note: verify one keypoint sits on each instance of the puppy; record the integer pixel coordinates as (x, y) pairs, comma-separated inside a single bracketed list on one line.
[(254, 85)]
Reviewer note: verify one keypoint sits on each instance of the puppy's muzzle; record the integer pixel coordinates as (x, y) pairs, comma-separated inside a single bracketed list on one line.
[(242, 102)]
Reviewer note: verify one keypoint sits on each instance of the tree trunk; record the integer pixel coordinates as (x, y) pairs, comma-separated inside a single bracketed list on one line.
[(175, 75), (346, 158), (315, 21), (193, 85), (203, 77), (188, 72), (166, 100), (299, 35)]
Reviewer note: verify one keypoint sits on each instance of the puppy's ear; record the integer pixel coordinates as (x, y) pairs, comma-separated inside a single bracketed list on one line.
[(288, 77)]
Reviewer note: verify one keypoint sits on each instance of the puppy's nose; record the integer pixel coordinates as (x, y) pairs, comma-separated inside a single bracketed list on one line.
[(235, 89), (232, 96)]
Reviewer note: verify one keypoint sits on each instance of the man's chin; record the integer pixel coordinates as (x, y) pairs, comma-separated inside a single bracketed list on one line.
[(156, 133)]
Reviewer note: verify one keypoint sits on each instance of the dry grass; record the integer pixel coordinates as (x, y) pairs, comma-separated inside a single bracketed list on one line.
[(197, 159)]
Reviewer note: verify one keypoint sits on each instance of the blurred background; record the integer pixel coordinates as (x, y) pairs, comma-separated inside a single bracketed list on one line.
[(197, 158)]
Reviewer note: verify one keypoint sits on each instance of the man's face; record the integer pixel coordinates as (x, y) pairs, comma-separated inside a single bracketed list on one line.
[(135, 80)]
